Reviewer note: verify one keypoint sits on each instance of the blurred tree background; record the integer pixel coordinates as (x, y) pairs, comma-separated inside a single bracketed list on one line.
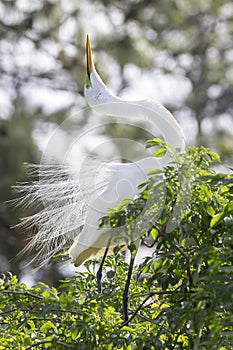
[(178, 52)]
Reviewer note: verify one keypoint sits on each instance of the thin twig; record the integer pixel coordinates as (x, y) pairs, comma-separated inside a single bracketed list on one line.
[(187, 258), (180, 250), (146, 318), (148, 296), (158, 292), (135, 312), (9, 311), (50, 342), (22, 293), (39, 343)]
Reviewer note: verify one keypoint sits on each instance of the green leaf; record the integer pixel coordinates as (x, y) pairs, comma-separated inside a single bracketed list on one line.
[(154, 233), (47, 326), (111, 274), (132, 248), (158, 264), (75, 334), (123, 204), (214, 156), (160, 152), (31, 324), (154, 142), (211, 211), (143, 184), (229, 207), (46, 293), (216, 219), (156, 171)]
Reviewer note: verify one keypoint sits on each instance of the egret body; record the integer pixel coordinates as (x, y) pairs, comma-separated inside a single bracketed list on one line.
[(92, 240), (74, 204)]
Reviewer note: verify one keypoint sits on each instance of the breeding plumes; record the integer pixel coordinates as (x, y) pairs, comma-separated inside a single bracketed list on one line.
[(73, 201)]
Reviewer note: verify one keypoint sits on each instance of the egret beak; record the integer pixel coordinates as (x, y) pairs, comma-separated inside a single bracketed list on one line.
[(89, 57)]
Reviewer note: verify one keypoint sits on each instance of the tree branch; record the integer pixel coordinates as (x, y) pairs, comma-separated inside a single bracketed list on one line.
[(50, 342), (187, 258), (135, 312), (22, 293)]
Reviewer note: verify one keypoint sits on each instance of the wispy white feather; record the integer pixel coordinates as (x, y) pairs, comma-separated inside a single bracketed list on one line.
[(61, 197)]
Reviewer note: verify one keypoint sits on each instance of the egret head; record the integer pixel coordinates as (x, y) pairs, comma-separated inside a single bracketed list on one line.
[(95, 91)]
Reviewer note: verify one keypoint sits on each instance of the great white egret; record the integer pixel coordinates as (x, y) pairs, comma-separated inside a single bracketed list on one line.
[(67, 195)]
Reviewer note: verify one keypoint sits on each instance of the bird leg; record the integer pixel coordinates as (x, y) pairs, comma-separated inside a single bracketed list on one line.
[(99, 272), (126, 290)]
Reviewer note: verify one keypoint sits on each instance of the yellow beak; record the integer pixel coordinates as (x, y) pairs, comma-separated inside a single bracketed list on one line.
[(89, 57)]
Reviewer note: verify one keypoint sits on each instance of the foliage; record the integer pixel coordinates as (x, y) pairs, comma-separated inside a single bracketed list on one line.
[(42, 71), (180, 297)]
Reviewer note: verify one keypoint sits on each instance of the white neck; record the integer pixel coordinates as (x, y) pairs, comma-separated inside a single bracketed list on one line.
[(103, 101), (159, 116)]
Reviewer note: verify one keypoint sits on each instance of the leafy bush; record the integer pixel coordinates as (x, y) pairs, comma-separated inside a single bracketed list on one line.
[(180, 297)]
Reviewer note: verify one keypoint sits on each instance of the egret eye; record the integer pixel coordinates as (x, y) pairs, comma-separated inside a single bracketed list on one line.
[(88, 83)]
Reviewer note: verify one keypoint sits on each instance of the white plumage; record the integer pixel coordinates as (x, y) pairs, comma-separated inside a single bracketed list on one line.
[(72, 201)]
